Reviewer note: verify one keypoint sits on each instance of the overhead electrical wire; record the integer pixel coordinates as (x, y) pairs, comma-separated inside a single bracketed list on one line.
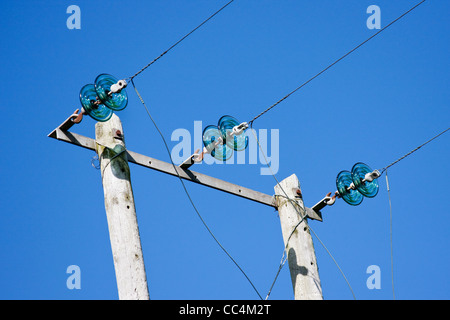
[(189, 196), (251, 123), (412, 151), (167, 148), (179, 41), (334, 63), (284, 257)]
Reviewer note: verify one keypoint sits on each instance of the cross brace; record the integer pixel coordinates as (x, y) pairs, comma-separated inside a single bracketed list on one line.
[(61, 133)]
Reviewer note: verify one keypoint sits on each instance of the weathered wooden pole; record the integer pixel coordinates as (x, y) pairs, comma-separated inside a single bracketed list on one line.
[(120, 211), (298, 241)]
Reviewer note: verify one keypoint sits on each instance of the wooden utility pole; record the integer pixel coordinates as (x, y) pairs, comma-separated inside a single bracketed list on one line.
[(298, 241), (120, 211)]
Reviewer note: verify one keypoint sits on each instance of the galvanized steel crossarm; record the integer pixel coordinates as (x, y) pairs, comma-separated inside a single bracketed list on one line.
[(61, 133)]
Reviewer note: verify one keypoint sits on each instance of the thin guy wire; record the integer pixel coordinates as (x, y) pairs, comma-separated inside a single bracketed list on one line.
[(409, 153), (188, 195), (390, 234), (335, 62), (178, 42), (329, 253), (384, 170), (335, 262), (284, 257), (294, 204), (282, 262)]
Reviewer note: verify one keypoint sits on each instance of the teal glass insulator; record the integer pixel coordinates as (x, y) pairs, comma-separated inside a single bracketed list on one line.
[(343, 182), (236, 142), (92, 104), (368, 189), (213, 142), (115, 101)]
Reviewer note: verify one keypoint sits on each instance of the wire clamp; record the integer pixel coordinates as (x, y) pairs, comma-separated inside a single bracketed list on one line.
[(237, 130), (117, 87), (369, 177)]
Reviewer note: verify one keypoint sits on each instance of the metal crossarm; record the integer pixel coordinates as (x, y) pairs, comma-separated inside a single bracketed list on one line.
[(61, 133)]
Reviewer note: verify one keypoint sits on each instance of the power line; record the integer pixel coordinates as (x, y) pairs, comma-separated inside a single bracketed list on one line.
[(284, 257), (179, 41), (293, 202), (334, 63), (189, 196), (412, 151)]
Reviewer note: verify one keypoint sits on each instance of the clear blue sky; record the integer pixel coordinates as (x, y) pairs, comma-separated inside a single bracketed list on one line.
[(376, 105)]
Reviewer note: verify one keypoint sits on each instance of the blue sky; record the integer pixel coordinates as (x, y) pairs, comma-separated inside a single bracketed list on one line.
[(376, 105)]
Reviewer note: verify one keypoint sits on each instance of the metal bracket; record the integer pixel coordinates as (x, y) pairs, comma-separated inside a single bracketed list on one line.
[(328, 200), (196, 157), (66, 125), (312, 214)]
